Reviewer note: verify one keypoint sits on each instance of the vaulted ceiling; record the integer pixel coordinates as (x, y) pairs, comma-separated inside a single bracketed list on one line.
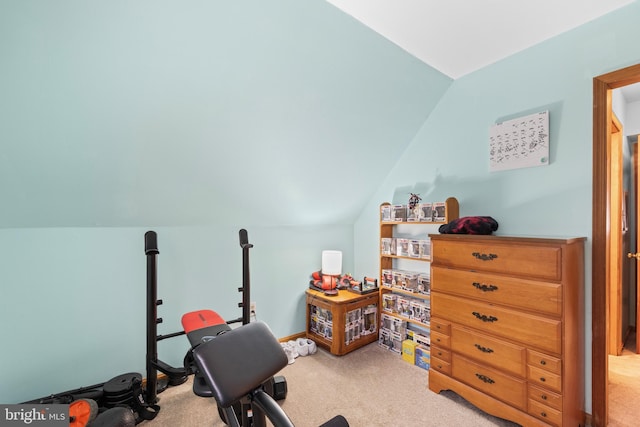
[(458, 37), (154, 113)]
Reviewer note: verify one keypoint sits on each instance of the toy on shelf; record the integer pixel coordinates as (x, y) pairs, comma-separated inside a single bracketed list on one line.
[(325, 282), (366, 286), (414, 208)]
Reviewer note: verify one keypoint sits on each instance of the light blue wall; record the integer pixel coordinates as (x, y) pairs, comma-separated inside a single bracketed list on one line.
[(73, 299), (201, 118), (160, 112), (449, 155), (195, 119)]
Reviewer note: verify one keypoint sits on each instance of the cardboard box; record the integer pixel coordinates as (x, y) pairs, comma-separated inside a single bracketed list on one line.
[(399, 213), (410, 281), (423, 340), (439, 213), (424, 283), (425, 248), (385, 213), (387, 278), (389, 303), (409, 351), (384, 338), (403, 306), (420, 311), (402, 246), (396, 342), (426, 215), (385, 246), (423, 357)]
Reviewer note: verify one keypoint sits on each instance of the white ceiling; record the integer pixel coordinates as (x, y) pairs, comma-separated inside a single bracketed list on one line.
[(457, 37)]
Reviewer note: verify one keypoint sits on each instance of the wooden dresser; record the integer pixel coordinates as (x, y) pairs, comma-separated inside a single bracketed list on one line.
[(507, 325)]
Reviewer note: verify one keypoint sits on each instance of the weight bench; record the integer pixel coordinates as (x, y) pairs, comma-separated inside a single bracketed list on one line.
[(235, 365), (202, 326)]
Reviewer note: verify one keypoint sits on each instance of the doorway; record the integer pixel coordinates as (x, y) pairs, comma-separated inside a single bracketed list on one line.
[(602, 261)]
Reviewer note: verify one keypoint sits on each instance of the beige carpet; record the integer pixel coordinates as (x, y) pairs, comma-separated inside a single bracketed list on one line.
[(624, 387), (370, 387)]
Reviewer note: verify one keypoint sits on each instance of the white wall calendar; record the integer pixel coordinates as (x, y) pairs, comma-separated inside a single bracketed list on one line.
[(519, 143)]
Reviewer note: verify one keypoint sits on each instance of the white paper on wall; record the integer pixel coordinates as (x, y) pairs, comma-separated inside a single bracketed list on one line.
[(519, 143)]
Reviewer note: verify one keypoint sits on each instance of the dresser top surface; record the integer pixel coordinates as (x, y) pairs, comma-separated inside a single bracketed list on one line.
[(506, 239)]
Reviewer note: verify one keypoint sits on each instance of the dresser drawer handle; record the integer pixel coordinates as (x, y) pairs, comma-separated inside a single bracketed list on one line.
[(483, 349), (484, 257), (485, 288), (485, 379), (484, 317), (544, 397), (543, 379), (543, 414)]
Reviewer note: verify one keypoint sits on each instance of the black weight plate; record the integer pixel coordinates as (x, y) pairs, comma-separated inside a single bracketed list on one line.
[(121, 383)]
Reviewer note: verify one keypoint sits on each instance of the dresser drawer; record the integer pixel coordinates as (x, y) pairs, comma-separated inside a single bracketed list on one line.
[(544, 378), (545, 397), (440, 365), (533, 331), (440, 325), (489, 350), (490, 381), (441, 353), (544, 361), (440, 340), (492, 255), (517, 292), (545, 413)]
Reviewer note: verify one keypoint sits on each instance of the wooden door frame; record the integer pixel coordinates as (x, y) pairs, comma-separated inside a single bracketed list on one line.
[(633, 216), (615, 334), (601, 210)]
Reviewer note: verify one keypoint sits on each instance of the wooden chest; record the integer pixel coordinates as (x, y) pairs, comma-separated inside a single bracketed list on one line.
[(508, 325)]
